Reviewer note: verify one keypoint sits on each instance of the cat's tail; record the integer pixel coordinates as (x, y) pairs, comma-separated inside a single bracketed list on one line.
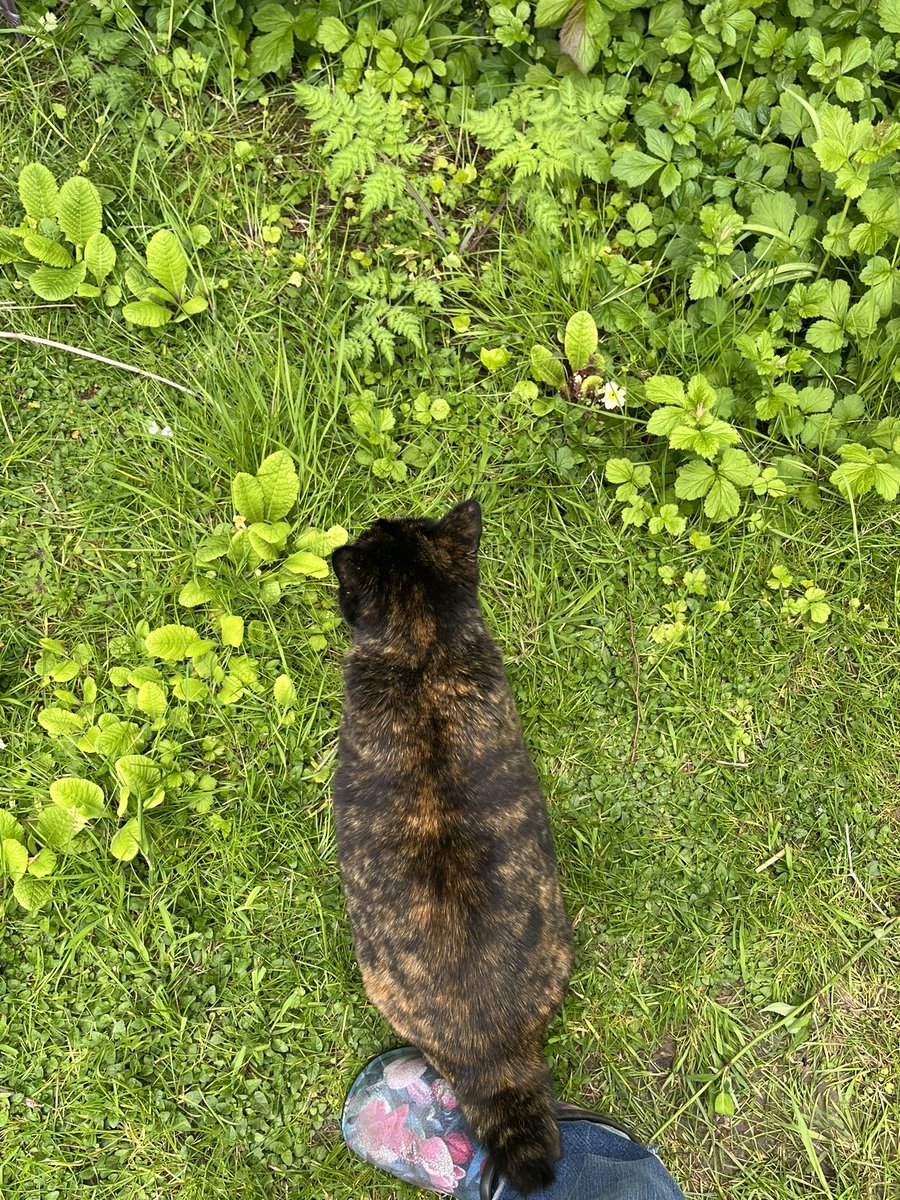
[(512, 1113)]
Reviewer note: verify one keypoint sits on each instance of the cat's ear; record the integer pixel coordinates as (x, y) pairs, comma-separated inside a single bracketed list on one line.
[(463, 524), (345, 568)]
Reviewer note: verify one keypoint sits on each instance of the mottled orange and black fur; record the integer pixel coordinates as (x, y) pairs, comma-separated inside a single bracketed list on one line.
[(444, 845)]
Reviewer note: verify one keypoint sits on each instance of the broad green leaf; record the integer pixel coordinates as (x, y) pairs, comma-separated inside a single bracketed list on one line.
[(332, 35), (546, 367), (80, 796), (147, 313), (669, 520), (38, 191), (825, 335), (494, 358), (245, 669), (10, 827), (889, 15), (191, 690), (694, 480), (272, 17), (619, 470), (269, 592), (322, 542), (724, 1104), (549, 13), (585, 32), (232, 630), (285, 692), (56, 827), (43, 864), (78, 210), (736, 466), (125, 845), (45, 250), (269, 540), (213, 546), (277, 476), (192, 306), (52, 283), (137, 773), (13, 857), (665, 389), (118, 676), (248, 497), (194, 593), (144, 675), (172, 643), (669, 179), (581, 339), (666, 420), (99, 255), (231, 690), (722, 500), (117, 738), (59, 722), (32, 893), (151, 699), (271, 52), (634, 167), (65, 671), (304, 563), (167, 262)]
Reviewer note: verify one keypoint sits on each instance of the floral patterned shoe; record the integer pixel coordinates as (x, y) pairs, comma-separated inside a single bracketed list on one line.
[(400, 1115)]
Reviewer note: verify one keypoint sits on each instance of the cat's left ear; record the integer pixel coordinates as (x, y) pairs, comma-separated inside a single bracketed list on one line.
[(463, 524), (344, 566)]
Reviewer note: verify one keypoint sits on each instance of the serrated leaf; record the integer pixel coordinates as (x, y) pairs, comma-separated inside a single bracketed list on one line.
[(665, 420), (304, 563), (270, 52), (277, 477), (79, 211), (269, 541), (118, 676), (99, 255), (52, 283), (147, 313), (167, 262), (581, 339), (151, 699), (722, 501), (332, 35), (548, 13), (285, 692), (13, 857), (45, 250), (232, 630), (585, 32), (172, 643), (248, 497), (32, 893), (43, 864), (546, 367), (59, 722), (619, 470), (38, 191), (737, 466), (665, 389), (194, 593), (82, 797), (694, 480), (125, 844), (56, 827)]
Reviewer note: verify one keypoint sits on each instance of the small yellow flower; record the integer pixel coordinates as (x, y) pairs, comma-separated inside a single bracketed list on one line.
[(240, 522)]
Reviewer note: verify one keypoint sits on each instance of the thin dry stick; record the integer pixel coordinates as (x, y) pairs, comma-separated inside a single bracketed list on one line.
[(636, 688), (110, 362), (856, 879)]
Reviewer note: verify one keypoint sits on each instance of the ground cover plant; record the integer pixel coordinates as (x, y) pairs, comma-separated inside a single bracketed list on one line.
[(629, 274)]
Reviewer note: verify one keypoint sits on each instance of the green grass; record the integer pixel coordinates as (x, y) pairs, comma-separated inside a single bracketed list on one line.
[(189, 1028)]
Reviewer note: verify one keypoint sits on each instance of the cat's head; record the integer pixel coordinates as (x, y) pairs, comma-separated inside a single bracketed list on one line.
[(408, 569)]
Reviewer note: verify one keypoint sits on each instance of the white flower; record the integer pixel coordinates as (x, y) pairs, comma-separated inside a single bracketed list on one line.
[(166, 431), (613, 395), (2, 744), (153, 427)]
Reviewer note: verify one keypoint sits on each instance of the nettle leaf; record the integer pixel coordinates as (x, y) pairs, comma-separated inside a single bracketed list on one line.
[(194, 593), (79, 211), (13, 857), (45, 250), (151, 699), (38, 191), (889, 15), (248, 497), (267, 540), (864, 469), (167, 262), (546, 367), (277, 477), (665, 389), (99, 256), (585, 32), (82, 797), (172, 643), (32, 893), (147, 313), (305, 563), (53, 284), (125, 844), (56, 827), (633, 166), (232, 630), (581, 339), (59, 722)]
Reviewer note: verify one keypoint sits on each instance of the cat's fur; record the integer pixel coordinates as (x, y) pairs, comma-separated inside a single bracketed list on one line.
[(443, 841)]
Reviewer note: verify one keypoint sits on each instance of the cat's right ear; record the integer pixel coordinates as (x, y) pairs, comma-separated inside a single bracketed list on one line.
[(344, 566), (463, 524)]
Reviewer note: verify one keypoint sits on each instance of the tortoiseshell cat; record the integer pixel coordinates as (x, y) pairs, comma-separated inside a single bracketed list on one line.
[(444, 846)]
